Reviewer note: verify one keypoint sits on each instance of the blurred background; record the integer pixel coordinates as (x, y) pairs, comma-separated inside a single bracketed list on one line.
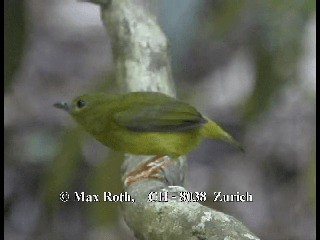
[(249, 65)]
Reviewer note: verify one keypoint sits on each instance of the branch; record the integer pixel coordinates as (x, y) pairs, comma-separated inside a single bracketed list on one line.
[(140, 53)]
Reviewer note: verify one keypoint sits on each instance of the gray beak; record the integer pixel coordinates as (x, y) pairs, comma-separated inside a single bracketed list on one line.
[(62, 105)]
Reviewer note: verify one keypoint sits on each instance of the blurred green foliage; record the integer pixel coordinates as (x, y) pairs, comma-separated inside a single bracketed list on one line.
[(271, 31), (105, 177), (63, 168), (15, 34), (277, 50), (64, 173)]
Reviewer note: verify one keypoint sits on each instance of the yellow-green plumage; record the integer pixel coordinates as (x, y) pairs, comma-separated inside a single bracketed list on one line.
[(144, 123)]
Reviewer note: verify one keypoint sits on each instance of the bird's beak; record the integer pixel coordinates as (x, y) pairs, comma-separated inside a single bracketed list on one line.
[(62, 105)]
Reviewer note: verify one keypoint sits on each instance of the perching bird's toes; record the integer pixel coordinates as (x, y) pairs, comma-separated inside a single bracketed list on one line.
[(147, 170)]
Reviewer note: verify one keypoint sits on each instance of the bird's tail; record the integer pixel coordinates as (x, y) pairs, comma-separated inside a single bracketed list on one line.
[(213, 130)]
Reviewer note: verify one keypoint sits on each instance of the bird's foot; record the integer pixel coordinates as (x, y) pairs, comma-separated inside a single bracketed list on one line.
[(148, 170)]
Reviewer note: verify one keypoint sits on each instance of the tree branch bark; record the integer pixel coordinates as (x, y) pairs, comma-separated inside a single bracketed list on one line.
[(140, 53)]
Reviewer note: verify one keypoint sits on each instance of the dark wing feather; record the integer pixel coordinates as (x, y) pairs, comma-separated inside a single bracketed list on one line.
[(172, 116)]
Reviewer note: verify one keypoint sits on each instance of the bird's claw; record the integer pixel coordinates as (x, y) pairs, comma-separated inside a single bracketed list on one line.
[(147, 170)]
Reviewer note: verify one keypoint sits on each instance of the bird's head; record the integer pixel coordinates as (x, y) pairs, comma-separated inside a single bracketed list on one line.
[(82, 104)]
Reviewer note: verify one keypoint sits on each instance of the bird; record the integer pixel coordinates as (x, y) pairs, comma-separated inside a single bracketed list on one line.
[(144, 123)]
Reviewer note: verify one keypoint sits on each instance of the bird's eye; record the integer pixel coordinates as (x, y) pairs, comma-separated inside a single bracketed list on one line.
[(81, 103)]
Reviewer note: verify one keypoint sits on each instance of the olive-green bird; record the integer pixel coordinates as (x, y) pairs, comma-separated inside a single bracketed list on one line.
[(144, 123)]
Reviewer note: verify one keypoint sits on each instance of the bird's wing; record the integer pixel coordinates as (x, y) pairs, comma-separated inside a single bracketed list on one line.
[(171, 116)]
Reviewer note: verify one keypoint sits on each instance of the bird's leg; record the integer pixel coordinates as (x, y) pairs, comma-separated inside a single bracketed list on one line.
[(145, 165), (147, 170)]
